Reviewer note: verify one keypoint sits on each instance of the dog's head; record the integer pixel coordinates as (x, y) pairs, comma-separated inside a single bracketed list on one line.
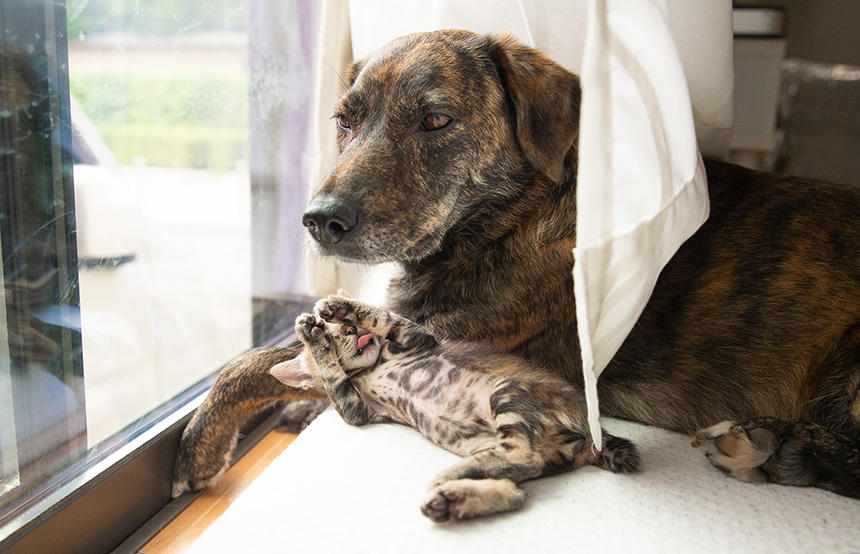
[(435, 131)]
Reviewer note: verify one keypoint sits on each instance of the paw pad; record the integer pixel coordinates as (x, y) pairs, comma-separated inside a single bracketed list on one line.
[(336, 309), (311, 330), (444, 505), (735, 450)]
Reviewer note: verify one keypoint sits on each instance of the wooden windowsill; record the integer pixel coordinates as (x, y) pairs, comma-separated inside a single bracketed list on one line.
[(190, 524)]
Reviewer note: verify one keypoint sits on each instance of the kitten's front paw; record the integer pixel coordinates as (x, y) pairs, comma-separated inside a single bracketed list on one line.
[(311, 331), (338, 309)]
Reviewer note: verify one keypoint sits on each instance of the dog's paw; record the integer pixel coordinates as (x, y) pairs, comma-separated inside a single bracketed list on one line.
[(469, 498), (202, 459), (737, 449), (311, 331)]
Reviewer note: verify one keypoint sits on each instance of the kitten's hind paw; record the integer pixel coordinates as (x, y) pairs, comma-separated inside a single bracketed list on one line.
[(469, 498), (620, 455)]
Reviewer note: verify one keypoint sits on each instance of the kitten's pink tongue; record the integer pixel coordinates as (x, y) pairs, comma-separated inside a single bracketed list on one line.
[(363, 340)]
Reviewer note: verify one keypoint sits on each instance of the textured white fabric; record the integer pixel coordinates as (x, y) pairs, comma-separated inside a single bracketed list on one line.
[(641, 187), (341, 489), (556, 27)]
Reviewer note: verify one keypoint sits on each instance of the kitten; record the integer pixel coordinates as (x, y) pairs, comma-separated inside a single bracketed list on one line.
[(509, 420)]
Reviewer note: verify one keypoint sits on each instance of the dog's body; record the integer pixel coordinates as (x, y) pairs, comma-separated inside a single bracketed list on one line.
[(509, 419), (459, 162)]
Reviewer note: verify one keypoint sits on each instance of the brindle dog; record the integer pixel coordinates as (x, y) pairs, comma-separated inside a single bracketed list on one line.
[(458, 161)]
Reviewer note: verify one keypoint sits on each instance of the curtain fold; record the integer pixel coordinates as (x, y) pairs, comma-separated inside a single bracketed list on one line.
[(641, 184)]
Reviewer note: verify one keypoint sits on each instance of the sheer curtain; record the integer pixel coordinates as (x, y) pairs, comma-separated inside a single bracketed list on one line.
[(657, 93)]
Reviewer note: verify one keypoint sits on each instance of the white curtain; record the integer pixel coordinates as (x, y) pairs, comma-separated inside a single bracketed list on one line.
[(641, 188), (657, 90)]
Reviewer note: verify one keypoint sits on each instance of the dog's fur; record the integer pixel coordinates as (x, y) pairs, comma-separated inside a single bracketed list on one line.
[(757, 315)]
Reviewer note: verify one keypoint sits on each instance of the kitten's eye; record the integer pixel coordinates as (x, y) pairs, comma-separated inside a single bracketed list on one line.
[(434, 121), (343, 122)]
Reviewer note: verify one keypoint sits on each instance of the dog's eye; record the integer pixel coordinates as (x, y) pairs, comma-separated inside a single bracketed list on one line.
[(433, 121), (343, 122)]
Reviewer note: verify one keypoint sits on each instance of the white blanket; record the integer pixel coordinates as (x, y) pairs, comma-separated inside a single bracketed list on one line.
[(358, 489)]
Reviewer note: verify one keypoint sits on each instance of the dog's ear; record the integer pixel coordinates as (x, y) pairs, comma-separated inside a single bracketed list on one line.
[(295, 373), (545, 97), (353, 70)]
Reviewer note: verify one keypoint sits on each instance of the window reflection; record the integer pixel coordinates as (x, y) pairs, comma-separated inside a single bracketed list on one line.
[(45, 417)]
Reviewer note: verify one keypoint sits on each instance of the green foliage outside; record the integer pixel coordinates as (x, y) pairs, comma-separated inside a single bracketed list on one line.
[(171, 119), (155, 17)]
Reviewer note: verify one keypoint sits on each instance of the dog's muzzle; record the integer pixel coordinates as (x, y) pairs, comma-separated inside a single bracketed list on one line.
[(329, 218)]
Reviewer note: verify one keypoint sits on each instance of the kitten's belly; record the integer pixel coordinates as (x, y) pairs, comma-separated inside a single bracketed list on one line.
[(459, 421), (455, 414)]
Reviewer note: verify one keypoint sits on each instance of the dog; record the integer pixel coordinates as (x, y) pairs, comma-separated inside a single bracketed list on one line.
[(458, 157)]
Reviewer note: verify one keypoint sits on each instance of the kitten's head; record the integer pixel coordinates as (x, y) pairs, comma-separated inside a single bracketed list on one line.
[(358, 348)]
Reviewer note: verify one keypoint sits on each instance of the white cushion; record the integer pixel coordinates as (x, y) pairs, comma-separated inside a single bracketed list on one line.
[(339, 488)]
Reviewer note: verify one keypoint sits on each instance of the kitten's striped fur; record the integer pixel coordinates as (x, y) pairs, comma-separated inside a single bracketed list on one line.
[(510, 420)]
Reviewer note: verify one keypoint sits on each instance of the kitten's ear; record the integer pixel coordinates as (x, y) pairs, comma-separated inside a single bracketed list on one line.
[(342, 292), (294, 373)]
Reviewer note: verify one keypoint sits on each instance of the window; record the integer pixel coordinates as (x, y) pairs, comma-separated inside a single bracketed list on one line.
[(153, 162)]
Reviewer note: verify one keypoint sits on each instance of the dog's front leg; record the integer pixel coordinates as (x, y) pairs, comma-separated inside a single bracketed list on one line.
[(243, 389)]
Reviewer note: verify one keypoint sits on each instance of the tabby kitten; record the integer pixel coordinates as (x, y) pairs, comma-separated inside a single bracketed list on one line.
[(511, 421)]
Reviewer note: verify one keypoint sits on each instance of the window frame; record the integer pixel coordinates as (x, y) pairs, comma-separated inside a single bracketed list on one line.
[(53, 522), (120, 493)]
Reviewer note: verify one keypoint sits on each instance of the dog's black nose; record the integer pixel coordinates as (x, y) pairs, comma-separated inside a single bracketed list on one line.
[(329, 218)]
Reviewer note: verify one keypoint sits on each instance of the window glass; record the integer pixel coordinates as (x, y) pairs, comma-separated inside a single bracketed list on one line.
[(159, 105), (153, 157)]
